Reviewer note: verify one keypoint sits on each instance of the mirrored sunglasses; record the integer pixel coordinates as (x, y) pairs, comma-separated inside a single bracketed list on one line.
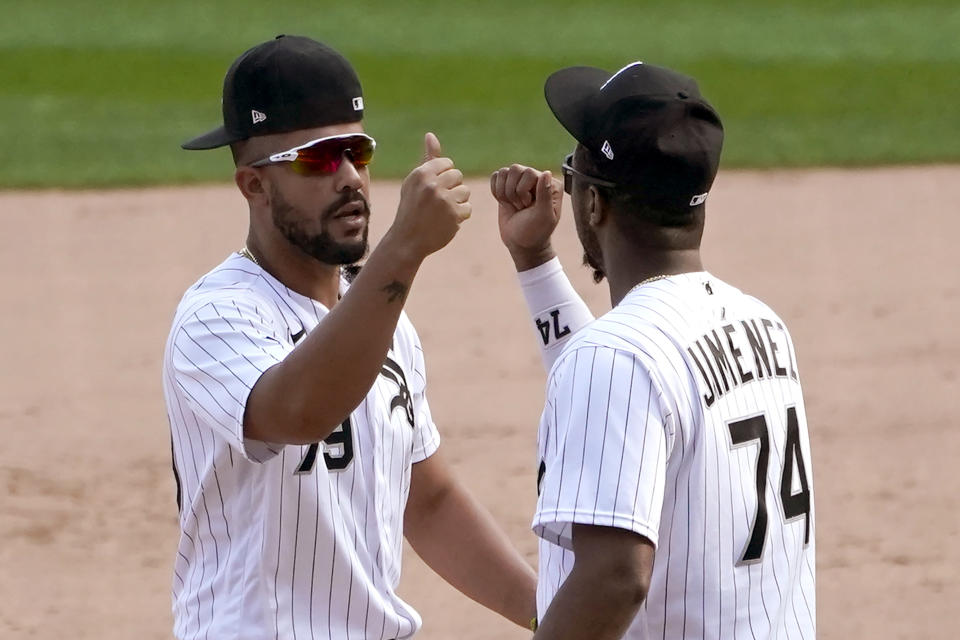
[(325, 155)]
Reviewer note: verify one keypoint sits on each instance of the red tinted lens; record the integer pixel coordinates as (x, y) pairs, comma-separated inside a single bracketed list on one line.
[(361, 152), (327, 155)]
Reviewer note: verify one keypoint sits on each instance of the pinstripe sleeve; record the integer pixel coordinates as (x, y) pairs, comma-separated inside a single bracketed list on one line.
[(605, 448), (426, 439), (218, 352)]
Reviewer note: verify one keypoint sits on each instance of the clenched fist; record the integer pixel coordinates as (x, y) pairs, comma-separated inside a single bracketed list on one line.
[(529, 210)]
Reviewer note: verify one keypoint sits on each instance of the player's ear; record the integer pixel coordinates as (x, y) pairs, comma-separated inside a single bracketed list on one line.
[(596, 207), (251, 185)]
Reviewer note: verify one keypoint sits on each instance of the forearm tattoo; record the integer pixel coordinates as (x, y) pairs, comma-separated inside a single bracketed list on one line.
[(395, 291)]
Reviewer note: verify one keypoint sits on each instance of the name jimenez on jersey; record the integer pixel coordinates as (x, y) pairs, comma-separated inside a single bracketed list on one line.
[(285, 541), (679, 415)]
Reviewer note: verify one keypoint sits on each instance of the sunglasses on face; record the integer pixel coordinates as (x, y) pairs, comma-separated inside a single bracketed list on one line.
[(325, 155), (568, 173)]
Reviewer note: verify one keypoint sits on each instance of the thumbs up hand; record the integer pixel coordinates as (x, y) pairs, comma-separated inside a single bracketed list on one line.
[(433, 202), (431, 147)]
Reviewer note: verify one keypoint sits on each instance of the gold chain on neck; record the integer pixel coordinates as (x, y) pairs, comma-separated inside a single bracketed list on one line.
[(648, 281), (246, 253)]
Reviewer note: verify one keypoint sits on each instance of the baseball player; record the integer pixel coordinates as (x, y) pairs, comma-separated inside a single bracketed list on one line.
[(303, 445), (675, 487)]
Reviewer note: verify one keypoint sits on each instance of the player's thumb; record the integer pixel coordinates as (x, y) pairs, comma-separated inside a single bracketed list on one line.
[(431, 147), (544, 195)]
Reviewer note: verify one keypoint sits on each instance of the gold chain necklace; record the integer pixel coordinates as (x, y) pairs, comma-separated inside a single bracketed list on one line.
[(648, 281), (245, 252)]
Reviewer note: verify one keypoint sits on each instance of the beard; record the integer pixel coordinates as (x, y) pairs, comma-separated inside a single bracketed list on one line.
[(598, 274), (592, 255), (320, 246)]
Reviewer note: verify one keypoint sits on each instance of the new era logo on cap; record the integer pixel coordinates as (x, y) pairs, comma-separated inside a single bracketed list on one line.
[(285, 84), (648, 128)]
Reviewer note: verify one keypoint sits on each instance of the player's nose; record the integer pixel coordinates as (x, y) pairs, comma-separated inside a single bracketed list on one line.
[(348, 176)]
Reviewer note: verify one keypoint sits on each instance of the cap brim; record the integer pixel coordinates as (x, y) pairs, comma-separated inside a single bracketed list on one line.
[(568, 93), (219, 137)]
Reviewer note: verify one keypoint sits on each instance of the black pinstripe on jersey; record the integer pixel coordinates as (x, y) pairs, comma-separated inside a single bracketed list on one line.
[(269, 548), (636, 434)]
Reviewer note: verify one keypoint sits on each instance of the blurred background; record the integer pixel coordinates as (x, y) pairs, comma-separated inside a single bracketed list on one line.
[(107, 221), (95, 95)]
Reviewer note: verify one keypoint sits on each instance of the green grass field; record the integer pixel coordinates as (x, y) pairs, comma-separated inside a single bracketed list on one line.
[(99, 95)]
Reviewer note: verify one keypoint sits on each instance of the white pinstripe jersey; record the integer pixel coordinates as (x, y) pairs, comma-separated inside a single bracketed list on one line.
[(285, 541), (669, 416)]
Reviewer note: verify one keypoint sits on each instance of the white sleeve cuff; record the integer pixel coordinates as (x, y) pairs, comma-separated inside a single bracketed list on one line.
[(557, 311)]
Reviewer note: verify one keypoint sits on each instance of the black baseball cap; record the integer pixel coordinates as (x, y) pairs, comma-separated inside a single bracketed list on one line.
[(647, 128), (284, 84)]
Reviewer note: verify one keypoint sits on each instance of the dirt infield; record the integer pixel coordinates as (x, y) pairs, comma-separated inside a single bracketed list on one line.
[(863, 265)]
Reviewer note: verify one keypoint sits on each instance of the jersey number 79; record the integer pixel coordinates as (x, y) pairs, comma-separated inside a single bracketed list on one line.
[(338, 457)]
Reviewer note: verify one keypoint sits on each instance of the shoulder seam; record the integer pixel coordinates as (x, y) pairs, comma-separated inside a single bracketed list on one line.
[(217, 294)]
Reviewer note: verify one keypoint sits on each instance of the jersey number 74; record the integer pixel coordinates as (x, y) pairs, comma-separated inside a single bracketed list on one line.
[(795, 505)]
